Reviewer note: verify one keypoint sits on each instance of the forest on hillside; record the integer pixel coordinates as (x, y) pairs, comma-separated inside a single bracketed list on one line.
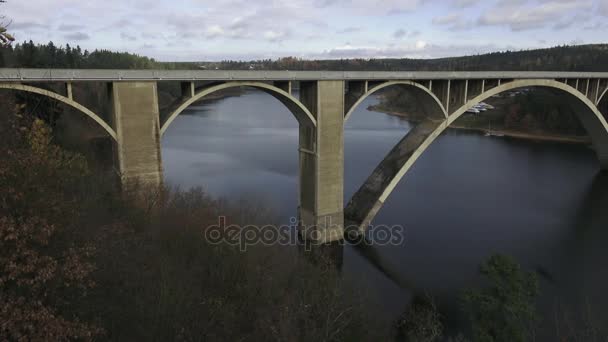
[(31, 55), (561, 58), (541, 113)]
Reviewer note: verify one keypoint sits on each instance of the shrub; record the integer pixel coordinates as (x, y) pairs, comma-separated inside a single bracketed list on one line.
[(504, 310)]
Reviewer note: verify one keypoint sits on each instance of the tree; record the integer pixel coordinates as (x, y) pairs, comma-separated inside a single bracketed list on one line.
[(39, 272), (5, 37), (422, 321), (505, 310)]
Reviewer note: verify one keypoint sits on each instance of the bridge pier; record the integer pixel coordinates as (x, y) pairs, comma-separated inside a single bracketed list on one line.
[(136, 121), (321, 211)]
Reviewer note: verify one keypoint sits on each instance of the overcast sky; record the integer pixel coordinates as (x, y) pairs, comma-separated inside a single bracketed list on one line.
[(250, 29)]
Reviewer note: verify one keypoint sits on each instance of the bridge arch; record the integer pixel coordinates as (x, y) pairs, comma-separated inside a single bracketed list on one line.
[(302, 114), (431, 104), (602, 97), (369, 199), (62, 99)]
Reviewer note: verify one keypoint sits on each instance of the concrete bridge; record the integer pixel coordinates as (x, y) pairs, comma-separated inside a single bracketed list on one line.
[(136, 121)]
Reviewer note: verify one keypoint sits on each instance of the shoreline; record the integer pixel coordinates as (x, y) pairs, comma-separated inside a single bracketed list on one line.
[(545, 137)]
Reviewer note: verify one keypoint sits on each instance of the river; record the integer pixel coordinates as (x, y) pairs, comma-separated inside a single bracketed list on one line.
[(467, 197)]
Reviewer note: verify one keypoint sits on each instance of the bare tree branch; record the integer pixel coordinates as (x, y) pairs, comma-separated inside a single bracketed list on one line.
[(5, 37)]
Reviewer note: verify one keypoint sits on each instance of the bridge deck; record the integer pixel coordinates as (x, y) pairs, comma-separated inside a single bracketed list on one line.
[(46, 75)]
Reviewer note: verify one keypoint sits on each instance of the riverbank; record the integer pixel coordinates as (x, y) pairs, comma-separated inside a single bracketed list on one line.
[(527, 135), (533, 136)]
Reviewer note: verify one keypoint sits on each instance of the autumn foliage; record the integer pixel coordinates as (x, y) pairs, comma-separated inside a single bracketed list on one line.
[(39, 272), (80, 260)]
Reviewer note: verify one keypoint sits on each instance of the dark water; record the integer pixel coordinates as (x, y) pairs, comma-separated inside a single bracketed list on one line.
[(467, 197)]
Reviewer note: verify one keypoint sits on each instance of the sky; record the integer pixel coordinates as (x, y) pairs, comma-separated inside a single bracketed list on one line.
[(197, 30)]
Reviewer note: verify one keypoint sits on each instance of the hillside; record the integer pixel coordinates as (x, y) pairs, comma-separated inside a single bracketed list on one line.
[(561, 58)]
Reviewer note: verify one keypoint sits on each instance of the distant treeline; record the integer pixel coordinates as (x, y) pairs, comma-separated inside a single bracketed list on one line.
[(30, 55), (561, 58)]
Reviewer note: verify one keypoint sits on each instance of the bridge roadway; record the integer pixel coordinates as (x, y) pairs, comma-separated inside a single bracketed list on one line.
[(136, 121)]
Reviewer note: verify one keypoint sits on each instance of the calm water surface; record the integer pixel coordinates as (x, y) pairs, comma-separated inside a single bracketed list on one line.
[(467, 197)]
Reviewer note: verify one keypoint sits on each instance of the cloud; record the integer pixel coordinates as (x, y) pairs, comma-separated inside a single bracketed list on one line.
[(28, 25), (579, 19), (350, 29), (449, 19), (324, 3), (400, 33), (512, 3), (375, 7), (518, 17), (595, 26), (577, 41), (67, 27), (603, 8), (252, 20), (214, 31), (453, 21), (419, 49), (263, 28), (77, 36), (464, 3), (275, 36), (128, 37), (241, 30)]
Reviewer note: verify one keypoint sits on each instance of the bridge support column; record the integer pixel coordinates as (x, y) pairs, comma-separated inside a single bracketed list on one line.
[(136, 120), (321, 212)]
